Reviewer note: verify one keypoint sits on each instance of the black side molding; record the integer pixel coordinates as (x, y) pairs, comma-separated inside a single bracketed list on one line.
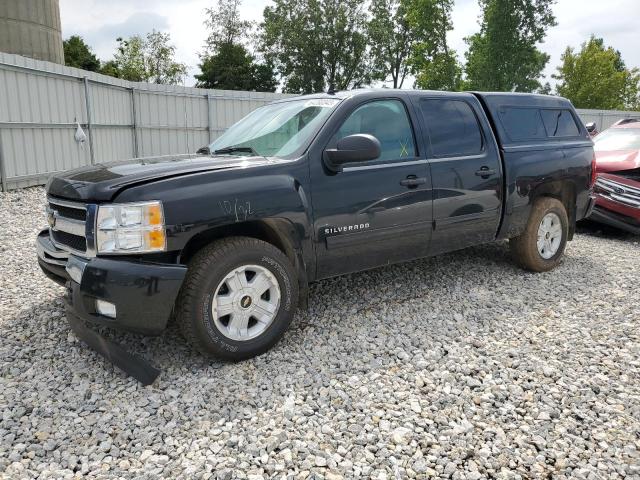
[(129, 363)]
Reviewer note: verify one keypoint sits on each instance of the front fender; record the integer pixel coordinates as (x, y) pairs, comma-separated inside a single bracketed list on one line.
[(196, 204)]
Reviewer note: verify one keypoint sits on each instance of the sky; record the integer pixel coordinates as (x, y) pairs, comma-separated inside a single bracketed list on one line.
[(100, 22)]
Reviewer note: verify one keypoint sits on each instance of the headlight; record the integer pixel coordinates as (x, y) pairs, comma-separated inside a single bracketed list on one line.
[(130, 228)]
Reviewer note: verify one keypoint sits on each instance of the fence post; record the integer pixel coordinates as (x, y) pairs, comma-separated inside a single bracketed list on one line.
[(209, 118), (3, 171), (87, 100), (136, 153)]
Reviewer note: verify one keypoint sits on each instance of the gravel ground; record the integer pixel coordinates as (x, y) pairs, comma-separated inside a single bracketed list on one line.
[(460, 366)]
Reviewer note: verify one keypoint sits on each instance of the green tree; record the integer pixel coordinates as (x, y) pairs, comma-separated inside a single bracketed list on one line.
[(227, 62), (391, 40), (225, 25), (110, 68), (436, 66), (545, 89), (233, 68), (442, 72), (129, 60), (79, 55), (146, 59), (597, 77), (503, 56), (315, 44), (160, 60)]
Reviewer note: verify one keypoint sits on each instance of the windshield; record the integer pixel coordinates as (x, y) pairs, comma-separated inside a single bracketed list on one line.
[(617, 139), (277, 130)]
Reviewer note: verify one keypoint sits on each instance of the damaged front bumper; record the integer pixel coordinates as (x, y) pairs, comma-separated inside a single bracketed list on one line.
[(617, 202), (141, 295), (630, 224)]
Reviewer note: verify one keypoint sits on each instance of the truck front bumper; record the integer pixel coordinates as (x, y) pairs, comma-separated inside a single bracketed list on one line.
[(143, 293)]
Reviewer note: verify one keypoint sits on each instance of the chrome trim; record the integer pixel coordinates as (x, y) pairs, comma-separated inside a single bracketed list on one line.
[(414, 162), (619, 192), (66, 203), (623, 199), (477, 156), (75, 268), (72, 226), (68, 225), (611, 183), (91, 230), (384, 165)]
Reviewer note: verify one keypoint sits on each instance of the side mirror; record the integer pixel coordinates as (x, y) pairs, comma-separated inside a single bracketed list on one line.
[(360, 147), (591, 127), (203, 150)]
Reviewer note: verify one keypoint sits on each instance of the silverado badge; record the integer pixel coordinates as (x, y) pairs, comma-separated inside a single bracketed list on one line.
[(346, 228)]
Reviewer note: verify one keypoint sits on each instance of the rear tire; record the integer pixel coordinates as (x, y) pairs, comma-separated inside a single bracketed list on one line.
[(238, 298), (541, 246)]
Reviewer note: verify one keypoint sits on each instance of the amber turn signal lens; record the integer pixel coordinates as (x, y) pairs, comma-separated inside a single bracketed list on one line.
[(155, 239), (153, 214)]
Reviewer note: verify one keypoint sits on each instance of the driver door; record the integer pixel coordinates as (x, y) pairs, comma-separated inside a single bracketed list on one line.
[(377, 212)]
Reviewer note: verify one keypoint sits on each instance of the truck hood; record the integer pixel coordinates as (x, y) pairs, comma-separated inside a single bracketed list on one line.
[(616, 161), (102, 182)]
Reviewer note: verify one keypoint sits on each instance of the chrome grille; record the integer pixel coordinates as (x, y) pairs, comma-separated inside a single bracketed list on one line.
[(67, 224), (618, 192)]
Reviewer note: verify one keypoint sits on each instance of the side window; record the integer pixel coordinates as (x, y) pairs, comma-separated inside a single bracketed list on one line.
[(560, 123), (453, 127), (522, 123), (386, 120)]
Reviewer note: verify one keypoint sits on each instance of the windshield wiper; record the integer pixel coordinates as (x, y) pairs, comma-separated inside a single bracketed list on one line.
[(237, 149)]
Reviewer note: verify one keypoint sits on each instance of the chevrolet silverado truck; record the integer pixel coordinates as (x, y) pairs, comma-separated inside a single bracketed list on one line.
[(226, 241)]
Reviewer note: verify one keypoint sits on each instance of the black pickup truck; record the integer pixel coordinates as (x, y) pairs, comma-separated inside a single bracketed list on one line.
[(226, 241)]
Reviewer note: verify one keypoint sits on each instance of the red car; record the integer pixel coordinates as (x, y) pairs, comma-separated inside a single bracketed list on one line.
[(617, 187)]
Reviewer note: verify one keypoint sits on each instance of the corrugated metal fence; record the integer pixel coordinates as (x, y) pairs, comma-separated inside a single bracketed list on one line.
[(605, 118), (42, 103)]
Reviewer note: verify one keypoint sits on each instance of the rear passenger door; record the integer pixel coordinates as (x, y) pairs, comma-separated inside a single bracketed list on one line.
[(466, 171)]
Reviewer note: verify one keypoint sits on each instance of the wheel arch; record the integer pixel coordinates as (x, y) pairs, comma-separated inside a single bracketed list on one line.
[(563, 191), (279, 232)]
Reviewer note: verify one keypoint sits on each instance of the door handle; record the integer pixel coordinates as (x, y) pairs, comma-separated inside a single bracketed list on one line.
[(412, 181), (485, 172)]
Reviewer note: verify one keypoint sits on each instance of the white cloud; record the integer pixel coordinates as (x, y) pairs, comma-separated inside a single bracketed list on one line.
[(616, 21), (100, 22)]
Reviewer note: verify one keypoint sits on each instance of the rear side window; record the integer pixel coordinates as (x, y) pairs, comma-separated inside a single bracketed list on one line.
[(560, 123), (522, 123), (453, 127)]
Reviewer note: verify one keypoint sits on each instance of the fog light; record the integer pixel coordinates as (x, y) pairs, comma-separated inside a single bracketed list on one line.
[(107, 309)]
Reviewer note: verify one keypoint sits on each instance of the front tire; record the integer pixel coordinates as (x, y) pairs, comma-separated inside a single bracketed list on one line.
[(238, 298), (541, 246)]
